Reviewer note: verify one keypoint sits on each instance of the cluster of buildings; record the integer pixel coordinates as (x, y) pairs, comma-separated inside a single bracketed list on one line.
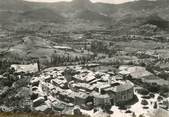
[(84, 88)]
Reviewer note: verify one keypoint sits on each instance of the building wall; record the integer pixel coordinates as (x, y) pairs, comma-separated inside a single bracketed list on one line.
[(79, 101), (66, 98), (102, 101), (124, 96)]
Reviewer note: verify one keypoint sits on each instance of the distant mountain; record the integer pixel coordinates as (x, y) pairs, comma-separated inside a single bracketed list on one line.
[(82, 4), (15, 5), (158, 21), (7, 17), (133, 13), (93, 16), (144, 7), (42, 14)]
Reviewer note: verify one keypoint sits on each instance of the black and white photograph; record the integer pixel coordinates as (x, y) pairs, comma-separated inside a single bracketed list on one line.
[(84, 58)]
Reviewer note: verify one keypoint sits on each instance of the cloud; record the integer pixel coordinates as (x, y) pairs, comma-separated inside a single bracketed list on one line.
[(105, 1)]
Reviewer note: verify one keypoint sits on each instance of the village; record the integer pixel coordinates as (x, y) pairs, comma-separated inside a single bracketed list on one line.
[(78, 90), (89, 76)]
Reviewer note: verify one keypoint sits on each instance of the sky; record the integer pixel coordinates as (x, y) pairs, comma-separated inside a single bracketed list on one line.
[(105, 1)]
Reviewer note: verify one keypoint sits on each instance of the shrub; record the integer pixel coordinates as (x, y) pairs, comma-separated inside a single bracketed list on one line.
[(151, 95), (143, 91), (144, 102), (145, 107), (77, 112), (159, 98), (133, 115), (128, 111), (146, 97), (141, 115), (155, 105)]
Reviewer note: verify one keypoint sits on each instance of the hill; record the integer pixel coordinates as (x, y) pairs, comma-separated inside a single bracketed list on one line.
[(158, 21), (42, 14), (92, 16), (131, 12)]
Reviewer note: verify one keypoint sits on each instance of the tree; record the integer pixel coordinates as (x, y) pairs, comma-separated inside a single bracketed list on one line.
[(133, 115), (144, 102), (155, 105), (98, 46), (77, 112), (141, 115)]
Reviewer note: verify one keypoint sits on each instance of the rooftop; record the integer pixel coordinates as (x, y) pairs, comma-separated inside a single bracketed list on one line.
[(98, 95), (59, 82), (86, 76), (83, 85), (126, 86), (81, 95)]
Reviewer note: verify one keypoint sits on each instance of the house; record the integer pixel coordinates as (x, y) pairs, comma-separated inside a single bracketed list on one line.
[(83, 100), (101, 99), (58, 106), (118, 92), (43, 108), (55, 92), (35, 81), (83, 87), (84, 77), (124, 92), (39, 101), (48, 79), (47, 87), (59, 83), (66, 96)]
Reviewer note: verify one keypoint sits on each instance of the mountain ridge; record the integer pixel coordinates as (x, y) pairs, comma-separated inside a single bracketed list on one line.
[(84, 10)]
